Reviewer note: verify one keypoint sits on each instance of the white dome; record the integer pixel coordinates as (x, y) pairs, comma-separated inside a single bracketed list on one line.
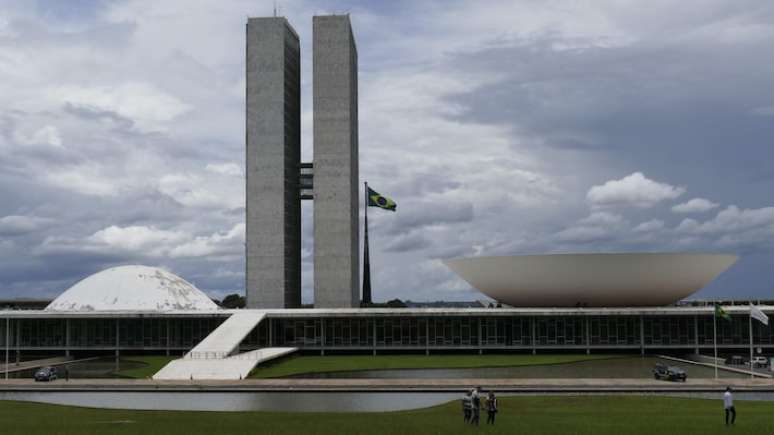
[(132, 288)]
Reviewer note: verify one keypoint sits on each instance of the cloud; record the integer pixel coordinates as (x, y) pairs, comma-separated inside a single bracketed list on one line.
[(141, 102), (228, 243), (211, 189), (231, 169), (47, 135), (696, 205), (14, 225), (633, 190), (407, 242), (732, 220), (84, 179), (488, 135), (649, 226), (136, 238), (597, 226), (414, 215)]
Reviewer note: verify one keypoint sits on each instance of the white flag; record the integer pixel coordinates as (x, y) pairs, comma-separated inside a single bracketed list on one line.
[(758, 315)]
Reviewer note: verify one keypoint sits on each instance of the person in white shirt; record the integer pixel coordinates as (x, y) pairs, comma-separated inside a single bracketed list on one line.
[(467, 406), (728, 405), (475, 416)]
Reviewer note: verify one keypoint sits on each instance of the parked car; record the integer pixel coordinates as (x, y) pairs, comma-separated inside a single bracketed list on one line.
[(760, 361), (736, 360), (662, 371), (46, 374)]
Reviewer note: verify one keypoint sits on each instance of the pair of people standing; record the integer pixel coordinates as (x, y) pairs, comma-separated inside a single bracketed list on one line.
[(471, 407)]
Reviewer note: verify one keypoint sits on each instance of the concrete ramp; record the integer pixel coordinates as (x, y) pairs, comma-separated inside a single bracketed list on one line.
[(230, 368), (225, 339), (214, 357)]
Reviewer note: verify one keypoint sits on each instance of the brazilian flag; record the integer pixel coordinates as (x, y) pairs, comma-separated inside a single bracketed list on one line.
[(375, 199), (720, 312)]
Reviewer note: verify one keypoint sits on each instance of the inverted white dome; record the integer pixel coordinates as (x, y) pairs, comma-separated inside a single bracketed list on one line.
[(593, 280), (132, 288)]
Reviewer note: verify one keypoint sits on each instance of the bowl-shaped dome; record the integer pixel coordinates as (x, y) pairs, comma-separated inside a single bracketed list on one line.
[(593, 280), (132, 288)]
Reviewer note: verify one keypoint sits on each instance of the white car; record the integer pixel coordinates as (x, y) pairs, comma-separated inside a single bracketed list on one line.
[(760, 361)]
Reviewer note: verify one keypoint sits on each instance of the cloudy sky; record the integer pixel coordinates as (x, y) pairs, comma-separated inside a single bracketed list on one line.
[(508, 127)]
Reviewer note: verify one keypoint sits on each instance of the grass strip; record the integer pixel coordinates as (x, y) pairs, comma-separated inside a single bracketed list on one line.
[(294, 365), (153, 363), (534, 415)]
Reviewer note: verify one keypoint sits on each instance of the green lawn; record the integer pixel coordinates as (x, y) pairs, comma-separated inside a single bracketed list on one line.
[(534, 415), (315, 364), (153, 363)]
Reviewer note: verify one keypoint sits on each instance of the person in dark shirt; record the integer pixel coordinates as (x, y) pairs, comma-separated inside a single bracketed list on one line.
[(491, 408)]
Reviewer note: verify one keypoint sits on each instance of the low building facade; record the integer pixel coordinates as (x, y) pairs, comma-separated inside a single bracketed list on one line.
[(689, 329)]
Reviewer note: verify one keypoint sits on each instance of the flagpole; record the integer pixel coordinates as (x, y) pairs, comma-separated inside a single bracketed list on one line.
[(715, 337), (752, 375), (366, 260)]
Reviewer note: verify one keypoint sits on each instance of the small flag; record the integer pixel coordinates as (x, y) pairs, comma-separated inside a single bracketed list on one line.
[(758, 315), (375, 199), (720, 312)]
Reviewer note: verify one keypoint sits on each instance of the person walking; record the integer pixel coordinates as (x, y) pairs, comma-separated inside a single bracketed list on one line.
[(67, 373), (467, 407), (728, 405), (491, 408), (476, 402)]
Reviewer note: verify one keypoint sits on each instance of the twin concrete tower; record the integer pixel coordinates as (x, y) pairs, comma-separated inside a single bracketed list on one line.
[(277, 181)]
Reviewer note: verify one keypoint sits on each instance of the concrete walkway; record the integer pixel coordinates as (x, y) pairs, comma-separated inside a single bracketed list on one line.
[(547, 386)]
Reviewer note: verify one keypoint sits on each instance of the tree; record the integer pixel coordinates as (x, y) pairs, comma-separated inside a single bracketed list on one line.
[(233, 301), (396, 303)]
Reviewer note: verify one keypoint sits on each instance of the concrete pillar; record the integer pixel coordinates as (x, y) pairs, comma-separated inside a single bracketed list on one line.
[(480, 349), (696, 334), (18, 341), (167, 343), (427, 336), (373, 322), (322, 336), (587, 328), (118, 342), (67, 337), (271, 332)]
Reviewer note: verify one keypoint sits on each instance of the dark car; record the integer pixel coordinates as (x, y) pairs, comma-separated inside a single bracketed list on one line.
[(46, 374), (662, 371)]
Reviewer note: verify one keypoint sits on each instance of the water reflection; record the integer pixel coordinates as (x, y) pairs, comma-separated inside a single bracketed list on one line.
[(239, 401), (288, 401), (615, 368)]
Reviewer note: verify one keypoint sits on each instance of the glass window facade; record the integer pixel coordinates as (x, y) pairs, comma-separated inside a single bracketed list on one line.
[(495, 331)]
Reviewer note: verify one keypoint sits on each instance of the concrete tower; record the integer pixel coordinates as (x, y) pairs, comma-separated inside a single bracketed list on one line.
[(336, 231), (273, 224)]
